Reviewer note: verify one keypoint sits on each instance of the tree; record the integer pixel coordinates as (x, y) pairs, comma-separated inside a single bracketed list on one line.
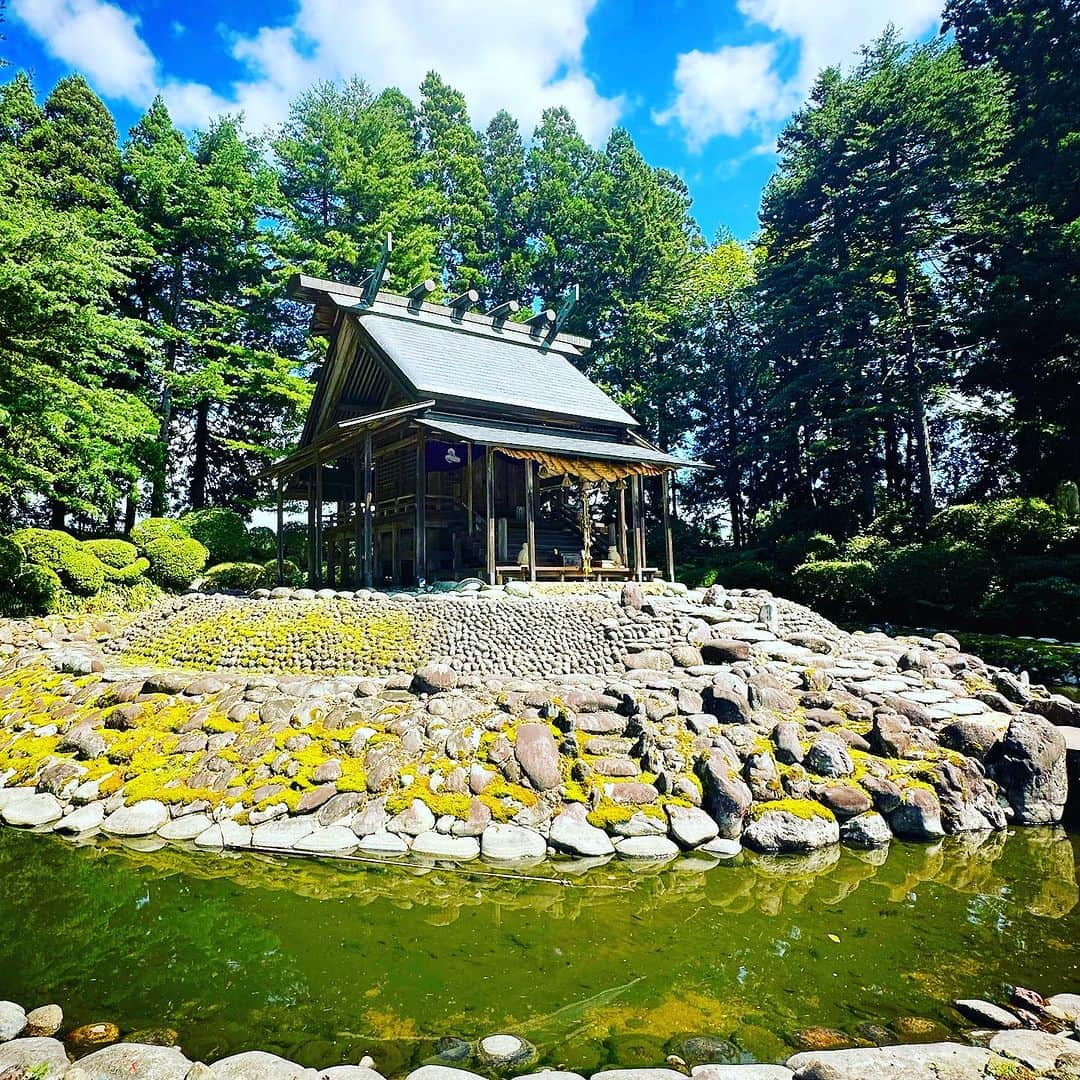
[(509, 259)]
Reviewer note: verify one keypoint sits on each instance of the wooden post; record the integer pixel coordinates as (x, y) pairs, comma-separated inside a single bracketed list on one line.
[(620, 523), (420, 537), (530, 519), (318, 523), (665, 494), (281, 530), (635, 527), (369, 510), (469, 486), (310, 533), (489, 505), (359, 503), (643, 558)]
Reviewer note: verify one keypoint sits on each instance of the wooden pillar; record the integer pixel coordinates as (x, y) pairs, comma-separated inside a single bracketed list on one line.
[(281, 530), (369, 511), (469, 486), (489, 509), (620, 523), (665, 493), (635, 527), (318, 523), (420, 537), (311, 532), (530, 519)]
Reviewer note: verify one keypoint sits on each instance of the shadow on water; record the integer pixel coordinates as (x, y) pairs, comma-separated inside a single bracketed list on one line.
[(323, 961)]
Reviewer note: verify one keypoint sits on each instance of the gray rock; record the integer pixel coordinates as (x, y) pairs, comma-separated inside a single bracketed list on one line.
[(136, 1061), (12, 1020), (929, 1061), (726, 798), (1067, 1004), (828, 756), (503, 1051), (442, 1072), (32, 809), (434, 679), (865, 831), (646, 847), (571, 833), (918, 817), (1029, 764), (438, 845), (690, 827), (350, 1072), (23, 1054), (1038, 1050), (786, 736), (538, 755), (741, 1072), (84, 819), (987, 1014), (139, 819), (413, 820), (509, 843), (721, 848), (44, 1020), (258, 1065), (639, 1074), (780, 832)]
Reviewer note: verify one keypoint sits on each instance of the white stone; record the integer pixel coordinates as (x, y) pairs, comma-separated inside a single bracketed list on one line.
[(283, 832), (1036, 1049), (721, 848), (32, 809), (741, 1072), (383, 843), (23, 1054), (139, 819), (508, 843), (646, 847), (442, 1072), (690, 827), (258, 1065), (235, 835), (912, 1062), (136, 1060), (84, 819), (350, 1072), (327, 840), (439, 845), (572, 833), (185, 828), (12, 1020)]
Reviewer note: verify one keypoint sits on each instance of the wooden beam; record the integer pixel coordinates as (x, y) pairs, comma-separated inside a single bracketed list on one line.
[(620, 522), (503, 311), (530, 519), (374, 283), (665, 494), (369, 511), (635, 528), (489, 504), (461, 303), (420, 538), (281, 530), (318, 523)]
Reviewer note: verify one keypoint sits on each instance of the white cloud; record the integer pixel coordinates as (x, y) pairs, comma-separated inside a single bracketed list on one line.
[(521, 55), (739, 89)]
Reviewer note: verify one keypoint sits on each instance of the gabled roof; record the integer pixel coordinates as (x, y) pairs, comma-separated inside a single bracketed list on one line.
[(467, 359)]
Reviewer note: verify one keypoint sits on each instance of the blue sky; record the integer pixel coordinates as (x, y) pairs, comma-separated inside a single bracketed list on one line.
[(702, 86)]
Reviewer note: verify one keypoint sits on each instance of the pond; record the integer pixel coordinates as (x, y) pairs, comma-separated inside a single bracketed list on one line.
[(324, 961)]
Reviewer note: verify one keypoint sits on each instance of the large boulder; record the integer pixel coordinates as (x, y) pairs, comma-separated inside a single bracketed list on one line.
[(259, 1065), (1029, 764), (918, 817), (790, 827), (725, 797), (688, 826), (572, 833), (42, 1058), (139, 819), (136, 1061), (538, 755), (828, 756), (917, 1062)]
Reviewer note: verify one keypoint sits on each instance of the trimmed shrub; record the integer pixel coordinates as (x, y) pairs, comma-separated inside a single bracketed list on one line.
[(262, 543), (129, 574), (1016, 526), (238, 575), (175, 563), (1040, 567), (293, 575), (802, 548), (222, 532), (39, 589), (116, 554), (866, 547), (82, 571), (45, 547), (11, 561), (154, 528), (841, 588), (1050, 607), (922, 577)]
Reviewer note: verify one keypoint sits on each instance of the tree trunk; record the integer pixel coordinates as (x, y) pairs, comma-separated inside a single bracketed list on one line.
[(57, 514), (131, 505), (160, 482), (199, 466)]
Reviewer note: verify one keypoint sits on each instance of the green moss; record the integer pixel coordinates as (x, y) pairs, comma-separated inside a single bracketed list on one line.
[(438, 802), (806, 809), (1002, 1069)]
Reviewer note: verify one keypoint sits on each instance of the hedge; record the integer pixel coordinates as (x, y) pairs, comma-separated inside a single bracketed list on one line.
[(239, 575), (1051, 607), (154, 528), (293, 575), (39, 589), (222, 532), (117, 554), (845, 589), (175, 563), (262, 543), (11, 561)]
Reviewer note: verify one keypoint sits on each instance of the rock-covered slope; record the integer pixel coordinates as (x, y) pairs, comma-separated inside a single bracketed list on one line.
[(514, 724)]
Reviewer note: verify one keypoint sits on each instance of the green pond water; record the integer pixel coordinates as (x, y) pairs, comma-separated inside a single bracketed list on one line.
[(324, 961)]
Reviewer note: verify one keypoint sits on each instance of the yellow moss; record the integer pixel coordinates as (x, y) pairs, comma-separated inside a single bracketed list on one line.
[(438, 802), (806, 809)]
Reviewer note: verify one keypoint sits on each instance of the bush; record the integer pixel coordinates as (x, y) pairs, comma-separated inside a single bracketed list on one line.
[(866, 547), (295, 534), (802, 548), (39, 589), (11, 561), (293, 575), (154, 528), (846, 589), (116, 554), (222, 532), (45, 547), (175, 563), (1039, 567), (1014, 526), (82, 571), (238, 575), (128, 575), (922, 577), (1050, 607), (262, 543)]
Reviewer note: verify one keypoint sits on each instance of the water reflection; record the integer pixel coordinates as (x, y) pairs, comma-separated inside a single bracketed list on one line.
[(324, 960)]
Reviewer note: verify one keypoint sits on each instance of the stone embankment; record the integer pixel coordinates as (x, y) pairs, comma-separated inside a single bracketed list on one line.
[(513, 726), (1035, 1038)]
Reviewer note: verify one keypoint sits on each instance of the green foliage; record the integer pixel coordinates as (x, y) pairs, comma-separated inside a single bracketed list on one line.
[(1051, 605), (843, 589), (222, 532), (116, 554), (81, 571), (175, 564), (792, 551), (152, 528), (1017, 526), (867, 547), (296, 538), (39, 589), (11, 561), (1067, 500), (262, 542), (238, 575), (127, 575), (917, 578), (45, 547), (293, 576), (1045, 663)]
